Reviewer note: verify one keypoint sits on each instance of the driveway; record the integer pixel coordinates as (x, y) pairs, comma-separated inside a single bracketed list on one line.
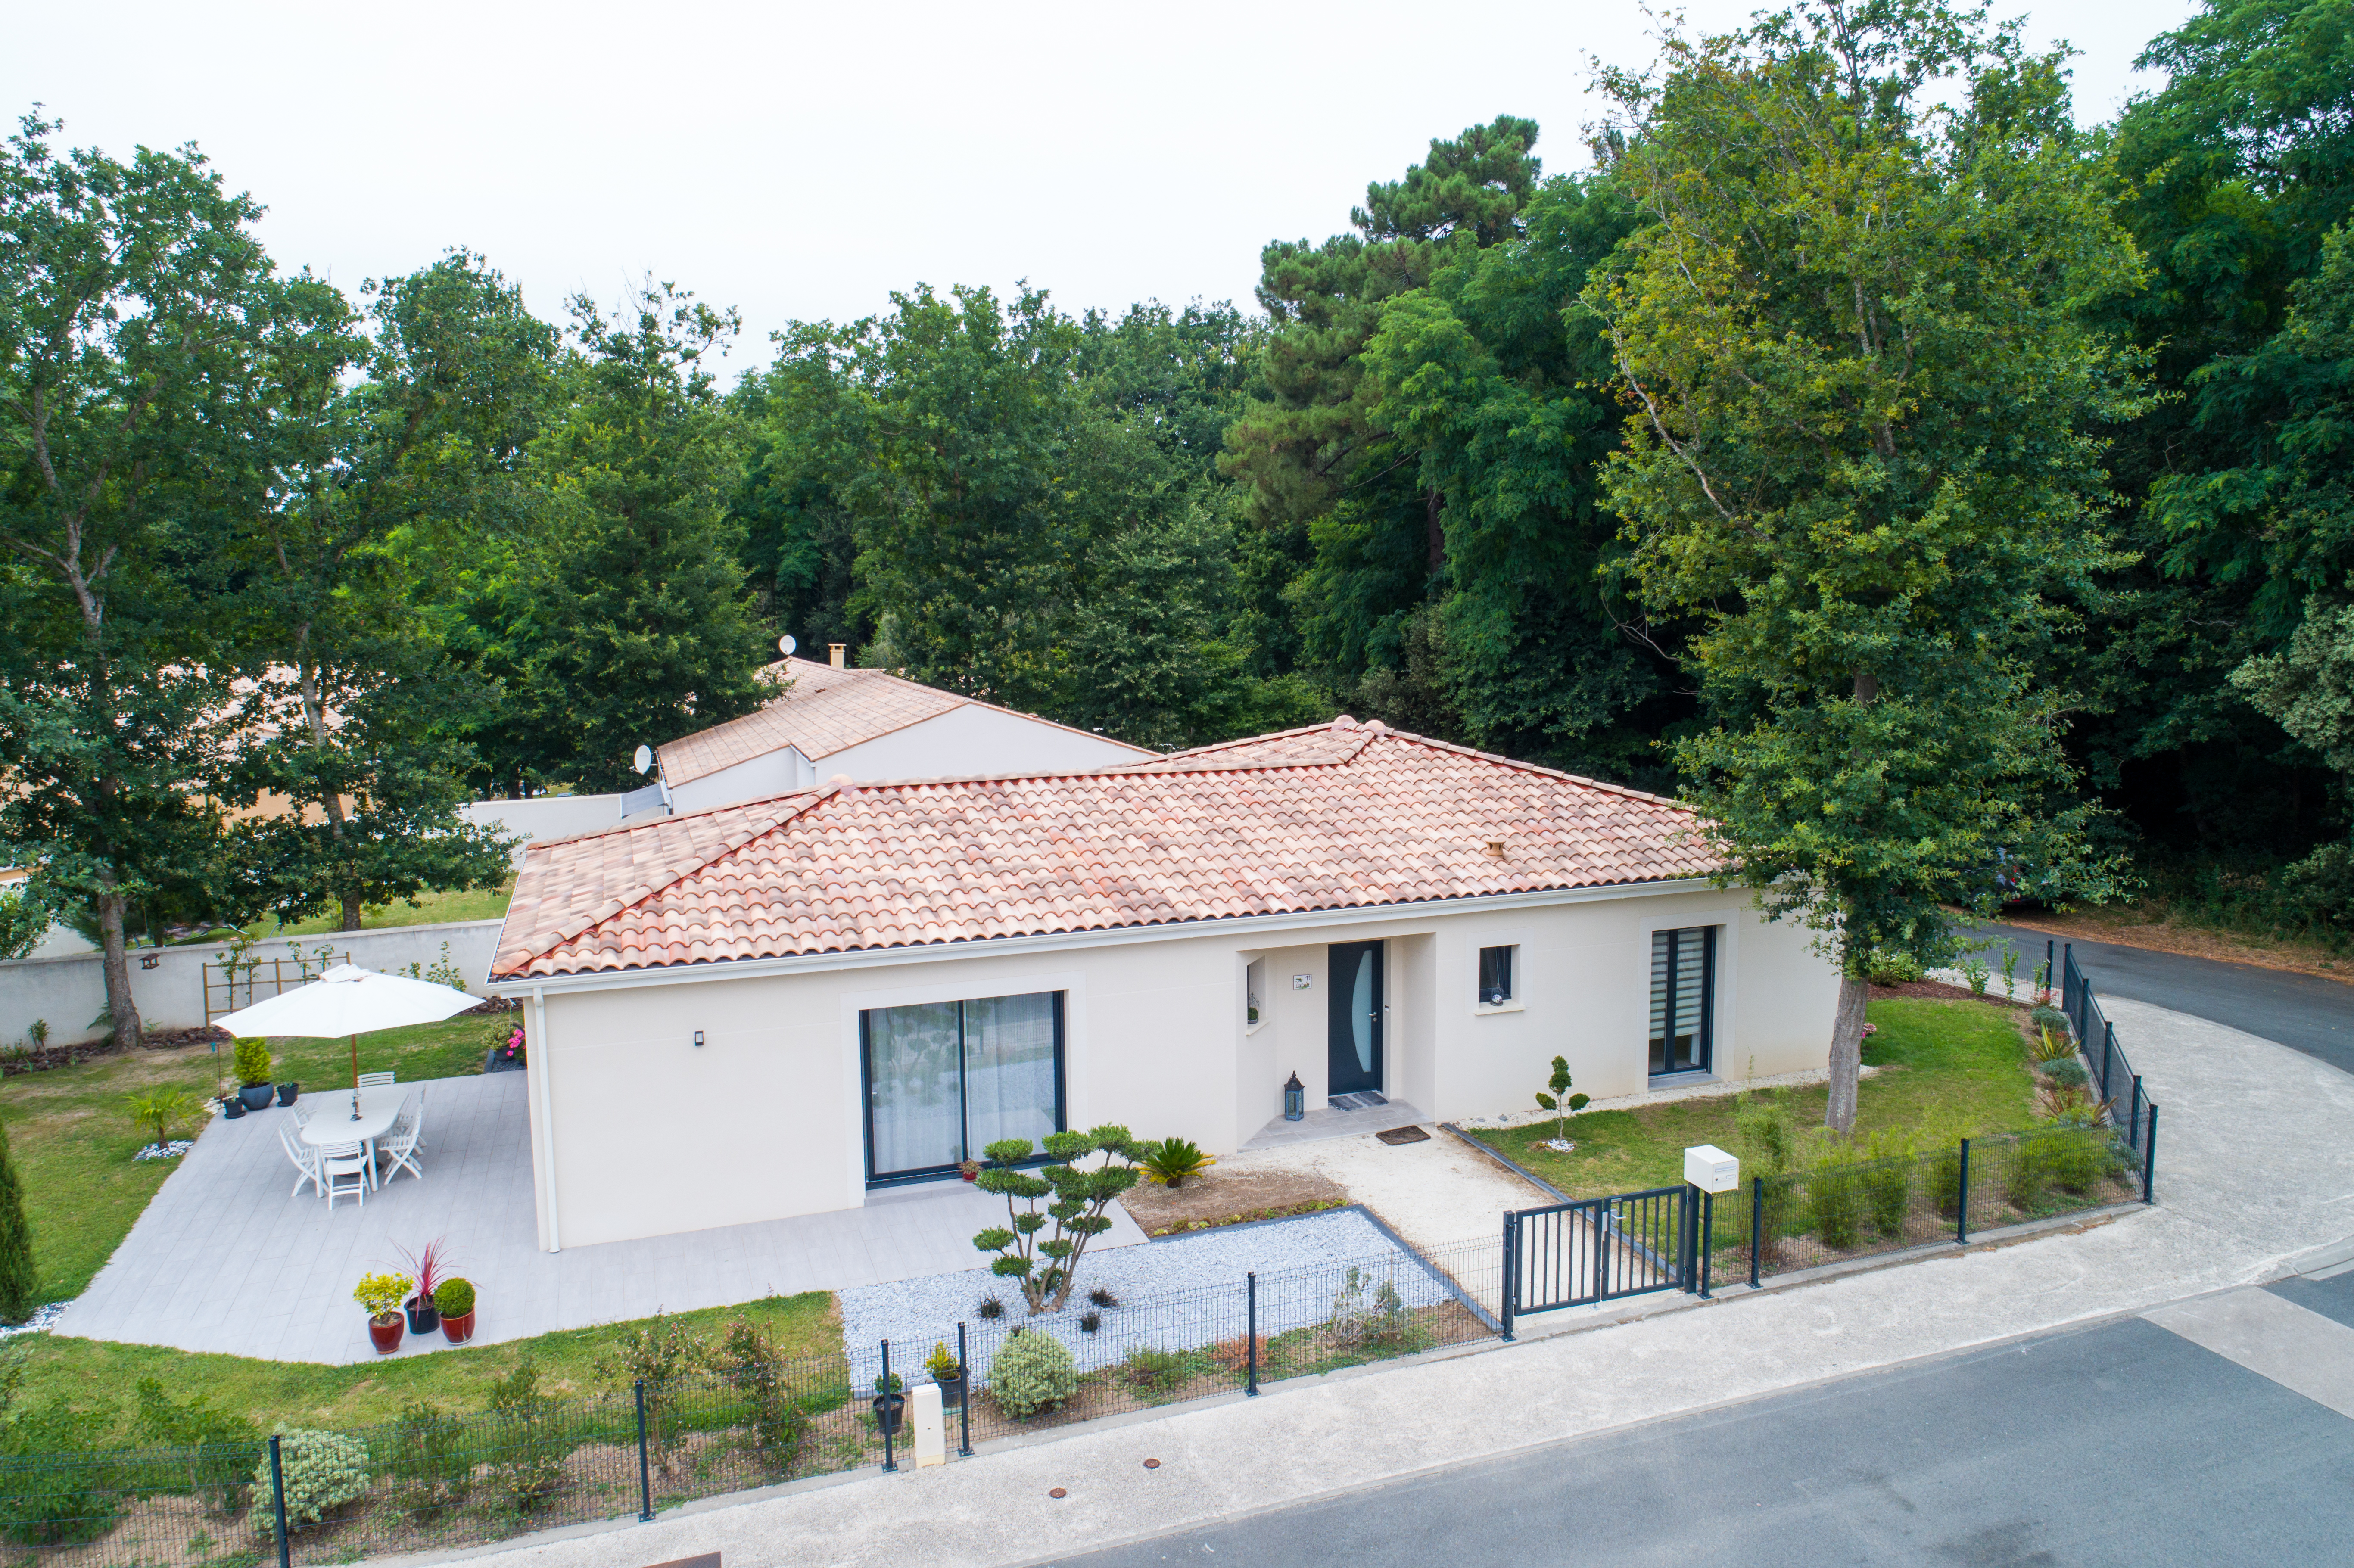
[(2303, 1013)]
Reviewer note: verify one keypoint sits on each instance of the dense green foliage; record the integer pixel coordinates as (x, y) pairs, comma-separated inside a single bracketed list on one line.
[(290, 575)]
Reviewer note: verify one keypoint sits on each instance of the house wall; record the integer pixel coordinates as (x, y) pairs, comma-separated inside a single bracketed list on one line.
[(545, 817), (971, 741), (639, 1132), (779, 772)]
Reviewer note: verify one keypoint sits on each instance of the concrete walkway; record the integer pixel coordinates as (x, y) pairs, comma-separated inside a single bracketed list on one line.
[(226, 1258), (2255, 1165)]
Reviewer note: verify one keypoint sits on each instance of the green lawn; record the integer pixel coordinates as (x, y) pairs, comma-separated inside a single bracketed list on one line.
[(101, 1376), (1953, 1069), (433, 908), (72, 1138)]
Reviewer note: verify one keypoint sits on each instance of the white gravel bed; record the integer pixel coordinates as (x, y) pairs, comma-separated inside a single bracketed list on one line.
[(1181, 1294)]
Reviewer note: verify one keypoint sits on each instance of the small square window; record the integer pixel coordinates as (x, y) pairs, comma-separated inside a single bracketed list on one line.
[(1495, 976)]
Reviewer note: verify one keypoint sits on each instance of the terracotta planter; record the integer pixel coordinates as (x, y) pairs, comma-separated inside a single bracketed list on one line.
[(461, 1328), (384, 1333)]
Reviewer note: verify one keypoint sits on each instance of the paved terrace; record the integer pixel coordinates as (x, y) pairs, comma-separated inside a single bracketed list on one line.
[(225, 1259), (2255, 1168)]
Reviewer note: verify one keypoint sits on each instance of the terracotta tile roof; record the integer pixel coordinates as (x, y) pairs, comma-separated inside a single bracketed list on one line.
[(1335, 818), (826, 710)]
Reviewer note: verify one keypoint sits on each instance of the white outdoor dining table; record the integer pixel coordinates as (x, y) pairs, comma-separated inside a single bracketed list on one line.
[(330, 1117)]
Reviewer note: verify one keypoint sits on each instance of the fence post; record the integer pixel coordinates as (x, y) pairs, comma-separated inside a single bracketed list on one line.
[(964, 1400), (1962, 1208), (645, 1472), (1707, 1238), (2149, 1159), (2050, 974), (1756, 1225), (2108, 1055), (277, 1502), (883, 1411), (1512, 1273), (1687, 1243), (1250, 1333)]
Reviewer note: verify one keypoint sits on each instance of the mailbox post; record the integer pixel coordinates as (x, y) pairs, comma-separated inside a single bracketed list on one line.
[(1708, 1171)]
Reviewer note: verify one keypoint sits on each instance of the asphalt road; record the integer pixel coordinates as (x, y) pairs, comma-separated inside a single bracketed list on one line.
[(2303, 1013), (2124, 1443)]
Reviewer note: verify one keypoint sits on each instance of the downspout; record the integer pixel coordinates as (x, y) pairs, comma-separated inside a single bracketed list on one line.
[(546, 1120)]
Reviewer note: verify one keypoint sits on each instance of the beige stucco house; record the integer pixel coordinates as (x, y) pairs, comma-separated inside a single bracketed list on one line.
[(784, 1006)]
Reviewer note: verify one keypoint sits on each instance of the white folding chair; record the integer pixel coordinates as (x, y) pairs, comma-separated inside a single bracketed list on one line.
[(398, 1145), (301, 1118), (306, 1158), (375, 1080), (340, 1161)]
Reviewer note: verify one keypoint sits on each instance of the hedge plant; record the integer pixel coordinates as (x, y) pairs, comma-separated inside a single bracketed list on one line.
[(1031, 1373), (323, 1471), (252, 1062)]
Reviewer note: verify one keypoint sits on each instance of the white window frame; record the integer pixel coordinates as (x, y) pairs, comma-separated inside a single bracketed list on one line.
[(1518, 942)]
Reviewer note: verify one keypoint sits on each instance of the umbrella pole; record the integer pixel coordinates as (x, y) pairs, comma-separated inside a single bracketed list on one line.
[(355, 1077)]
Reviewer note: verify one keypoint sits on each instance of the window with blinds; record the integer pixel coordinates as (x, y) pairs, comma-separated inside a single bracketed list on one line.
[(1684, 999)]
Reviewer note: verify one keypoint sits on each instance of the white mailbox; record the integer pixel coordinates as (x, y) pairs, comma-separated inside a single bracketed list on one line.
[(1710, 1169)]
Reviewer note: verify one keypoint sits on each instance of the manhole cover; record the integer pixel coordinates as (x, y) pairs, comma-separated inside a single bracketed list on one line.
[(1404, 1134)]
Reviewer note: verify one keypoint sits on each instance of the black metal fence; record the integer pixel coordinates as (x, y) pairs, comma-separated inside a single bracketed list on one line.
[(2128, 1109)]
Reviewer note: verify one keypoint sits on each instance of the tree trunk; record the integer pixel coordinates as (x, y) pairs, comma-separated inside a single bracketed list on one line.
[(351, 913), (1847, 1052), (120, 1003)]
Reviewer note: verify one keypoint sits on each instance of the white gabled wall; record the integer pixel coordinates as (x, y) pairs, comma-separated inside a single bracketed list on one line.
[(651, 1135), (971, 740), (779, 772)]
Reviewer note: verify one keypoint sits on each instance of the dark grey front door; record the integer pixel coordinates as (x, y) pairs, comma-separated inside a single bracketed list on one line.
[(1354, 1038)]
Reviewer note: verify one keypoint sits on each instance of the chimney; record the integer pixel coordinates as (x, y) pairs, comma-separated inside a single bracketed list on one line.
[(836, 650)]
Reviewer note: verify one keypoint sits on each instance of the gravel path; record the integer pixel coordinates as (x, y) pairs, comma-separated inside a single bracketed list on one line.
[(1181, 1294)]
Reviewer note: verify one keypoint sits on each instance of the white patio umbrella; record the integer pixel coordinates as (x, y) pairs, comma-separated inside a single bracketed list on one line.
[(348, 999)]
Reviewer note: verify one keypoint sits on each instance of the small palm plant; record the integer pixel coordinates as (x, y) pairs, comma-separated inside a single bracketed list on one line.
[(163, 1112), (1171, 1160), (1562, 1103)]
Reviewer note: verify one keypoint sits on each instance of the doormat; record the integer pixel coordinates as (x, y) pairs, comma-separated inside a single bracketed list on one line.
[(1404, 1134), (1364, 1099)]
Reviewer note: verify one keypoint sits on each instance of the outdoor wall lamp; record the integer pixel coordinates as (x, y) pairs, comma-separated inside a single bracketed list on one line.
[(698, 1037), (148, 960)]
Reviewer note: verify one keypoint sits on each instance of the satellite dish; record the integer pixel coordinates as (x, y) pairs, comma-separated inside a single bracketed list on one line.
[(645, 757), (785, 645)]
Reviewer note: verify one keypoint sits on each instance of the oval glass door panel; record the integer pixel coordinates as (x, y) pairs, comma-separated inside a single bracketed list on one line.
[(1360, 1014)]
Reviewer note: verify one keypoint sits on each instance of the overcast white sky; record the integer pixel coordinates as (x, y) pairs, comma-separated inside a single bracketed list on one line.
[(802, 161)]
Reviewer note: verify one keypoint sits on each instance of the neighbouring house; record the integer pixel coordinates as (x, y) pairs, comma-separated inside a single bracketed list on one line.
[(865, 723), (781, 1006)]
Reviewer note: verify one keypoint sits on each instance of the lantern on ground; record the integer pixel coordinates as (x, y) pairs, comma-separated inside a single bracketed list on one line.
[(1295, 1099)]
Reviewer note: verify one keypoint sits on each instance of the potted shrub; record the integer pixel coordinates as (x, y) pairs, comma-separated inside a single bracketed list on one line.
[(428, 1265), (232, 1104), (381, 1294), (969, 1168), (947, 1373), (889, 1403), (252, 1068), (288, 1093), (455, 1302)]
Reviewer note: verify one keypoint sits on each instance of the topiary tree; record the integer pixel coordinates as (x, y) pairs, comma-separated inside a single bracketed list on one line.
[(1077, 1199), (324, 1471), (19, 1285), (1560, 1102), (1032, 1373)]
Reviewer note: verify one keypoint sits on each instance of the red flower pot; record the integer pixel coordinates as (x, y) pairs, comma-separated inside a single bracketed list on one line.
[(458, 1330), (384, 1333)]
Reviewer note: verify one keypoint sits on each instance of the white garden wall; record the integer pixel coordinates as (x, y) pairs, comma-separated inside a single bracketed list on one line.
[(70, 991)]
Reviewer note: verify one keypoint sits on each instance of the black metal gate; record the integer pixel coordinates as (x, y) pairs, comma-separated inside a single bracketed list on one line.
[(1598, 1249)]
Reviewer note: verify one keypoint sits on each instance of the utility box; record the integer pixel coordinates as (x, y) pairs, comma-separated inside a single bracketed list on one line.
[(1711, 1170)]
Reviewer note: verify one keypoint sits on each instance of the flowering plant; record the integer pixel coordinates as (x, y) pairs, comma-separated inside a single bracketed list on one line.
[(512, 1047), (1870, 1029)]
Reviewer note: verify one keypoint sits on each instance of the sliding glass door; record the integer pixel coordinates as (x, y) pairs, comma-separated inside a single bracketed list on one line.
[(1683, 1000), (946, 1079)]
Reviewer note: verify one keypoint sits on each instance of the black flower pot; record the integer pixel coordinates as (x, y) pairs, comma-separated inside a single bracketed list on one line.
[(888, 1410), (951, 1390), (256, 1097), (232, 1107), (423, 1318), (287, 1093)]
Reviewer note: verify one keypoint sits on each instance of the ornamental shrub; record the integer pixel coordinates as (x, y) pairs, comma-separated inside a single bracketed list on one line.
[(529, 1468), (455, 1298), (65, 1491), (1888, 1192), (2051, 1018), (2078, 1161), (429, 1459), (1031, 1373), (252, 1062), (2067, 1075), (20, 1287), (1838, 1202), (323, 1471)]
